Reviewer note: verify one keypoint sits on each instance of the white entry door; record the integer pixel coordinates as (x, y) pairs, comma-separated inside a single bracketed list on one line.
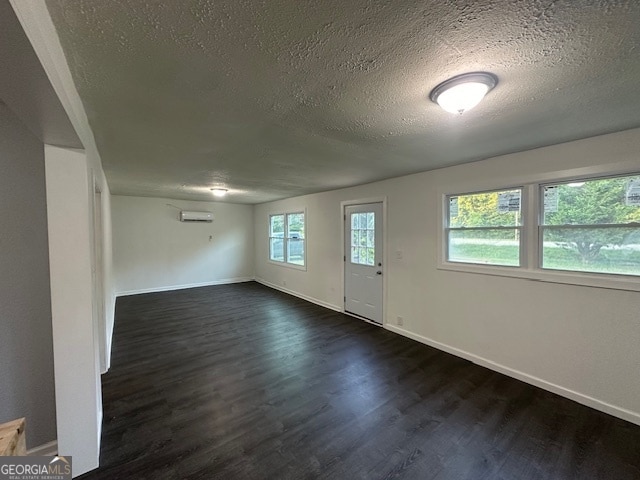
[(363, 267)]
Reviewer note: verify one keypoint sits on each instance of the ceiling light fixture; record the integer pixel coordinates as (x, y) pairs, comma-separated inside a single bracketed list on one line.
[(463, 92), (219, 192)]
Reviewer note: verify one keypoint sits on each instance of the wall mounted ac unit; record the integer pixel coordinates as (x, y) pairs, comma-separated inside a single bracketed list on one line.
[(186, 216)]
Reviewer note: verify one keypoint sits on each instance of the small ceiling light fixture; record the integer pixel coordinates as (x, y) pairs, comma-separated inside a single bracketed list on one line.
[(219, 192), (463, 92)]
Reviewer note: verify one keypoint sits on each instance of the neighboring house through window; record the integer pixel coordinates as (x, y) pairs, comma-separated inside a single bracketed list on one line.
[(581, 231)]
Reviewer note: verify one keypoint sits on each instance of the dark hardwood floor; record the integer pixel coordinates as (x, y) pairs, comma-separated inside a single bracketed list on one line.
[(244, 382)]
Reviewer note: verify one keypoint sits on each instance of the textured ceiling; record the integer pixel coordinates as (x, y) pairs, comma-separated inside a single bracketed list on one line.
[(278, 98)]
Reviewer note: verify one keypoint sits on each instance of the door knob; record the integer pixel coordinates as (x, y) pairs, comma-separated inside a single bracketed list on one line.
[(379, 272)]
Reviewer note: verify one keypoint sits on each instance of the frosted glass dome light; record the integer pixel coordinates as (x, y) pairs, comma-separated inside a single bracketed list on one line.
[(463, 92)]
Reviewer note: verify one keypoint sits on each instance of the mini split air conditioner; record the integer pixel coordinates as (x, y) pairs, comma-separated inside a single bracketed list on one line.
[(186, 216)]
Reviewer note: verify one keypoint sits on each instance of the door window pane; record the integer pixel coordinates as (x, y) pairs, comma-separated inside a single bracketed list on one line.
[(371, 242), (371, 256), (363, 238)]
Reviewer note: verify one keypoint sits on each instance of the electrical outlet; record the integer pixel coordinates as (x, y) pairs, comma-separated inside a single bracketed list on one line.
[(400, 321)]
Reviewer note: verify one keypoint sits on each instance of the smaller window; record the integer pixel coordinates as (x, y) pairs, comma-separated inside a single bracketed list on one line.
[(591, 225), (485, 228), (287, 238)]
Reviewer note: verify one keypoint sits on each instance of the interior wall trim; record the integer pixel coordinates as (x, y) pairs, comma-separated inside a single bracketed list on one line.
[(168, 288), (49, 449)]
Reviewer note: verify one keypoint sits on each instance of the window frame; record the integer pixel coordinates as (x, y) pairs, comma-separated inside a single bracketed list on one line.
[(532, 209), (520, 228), (349, 253), (285, 239), (542, 226)]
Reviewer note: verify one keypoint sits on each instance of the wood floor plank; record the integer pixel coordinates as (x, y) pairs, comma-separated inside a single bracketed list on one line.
[(244, 382)]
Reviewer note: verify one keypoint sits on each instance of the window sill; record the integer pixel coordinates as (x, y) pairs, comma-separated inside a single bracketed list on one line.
[(613, 282), (302, 268)]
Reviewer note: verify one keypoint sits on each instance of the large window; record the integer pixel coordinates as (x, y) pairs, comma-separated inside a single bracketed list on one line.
[(592, 226), (583, 231), (485, 228), (287, 238)]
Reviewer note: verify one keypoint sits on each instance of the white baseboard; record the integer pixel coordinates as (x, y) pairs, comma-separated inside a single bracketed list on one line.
[(299, 295), (594, 403), (49, 449), (182, 287)]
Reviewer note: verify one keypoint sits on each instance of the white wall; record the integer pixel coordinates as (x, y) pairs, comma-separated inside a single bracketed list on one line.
[(107, 269), (581, 342), (76, 364), (154, 251), (26, 342)]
